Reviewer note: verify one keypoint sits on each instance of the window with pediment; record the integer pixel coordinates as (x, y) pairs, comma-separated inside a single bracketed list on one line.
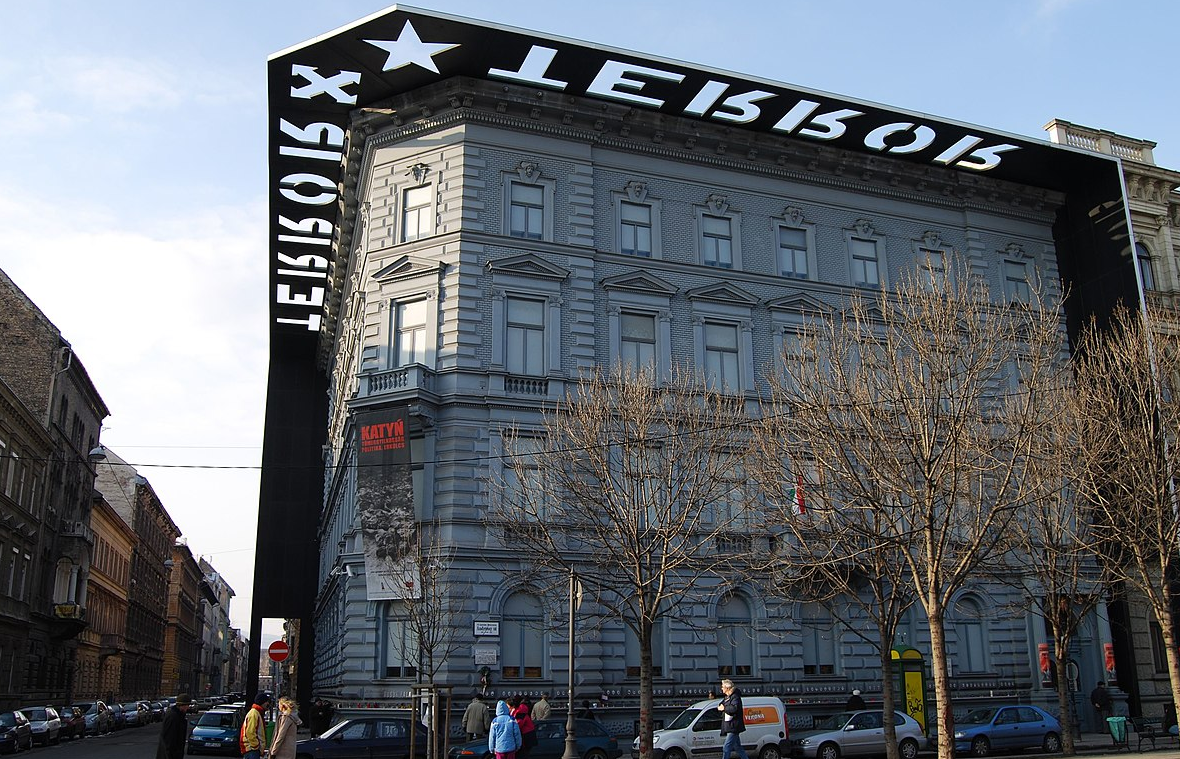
[(639, 323), (795, 245), (528, 203), (719, 242), (866, 255)]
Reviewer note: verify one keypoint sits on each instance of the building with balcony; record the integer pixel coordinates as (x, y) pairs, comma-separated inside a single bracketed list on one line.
[(216, 633), (182, 637), (102, 644), (505, 222), (47, 558), (133, 499)]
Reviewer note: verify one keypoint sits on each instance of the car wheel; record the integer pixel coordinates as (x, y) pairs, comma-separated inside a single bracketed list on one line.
[(1051, 744), (981, 746), (594, 753), (673, 753), (770, 752), (908, 749), (828, 751)]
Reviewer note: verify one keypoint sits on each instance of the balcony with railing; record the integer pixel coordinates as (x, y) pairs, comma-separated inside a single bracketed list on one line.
[(405, 380), (1100, 141), (75, 529)]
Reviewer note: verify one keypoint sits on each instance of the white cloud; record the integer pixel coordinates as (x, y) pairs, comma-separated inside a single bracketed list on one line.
[(169, 319)]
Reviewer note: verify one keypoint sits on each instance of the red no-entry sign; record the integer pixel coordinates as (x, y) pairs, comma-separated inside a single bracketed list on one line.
[(278, 651)]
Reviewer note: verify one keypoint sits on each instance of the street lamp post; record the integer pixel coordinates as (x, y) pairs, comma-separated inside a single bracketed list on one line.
[(571, 735)]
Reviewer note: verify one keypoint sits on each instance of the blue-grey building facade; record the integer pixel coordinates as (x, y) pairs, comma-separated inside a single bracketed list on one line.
[(506, 240)]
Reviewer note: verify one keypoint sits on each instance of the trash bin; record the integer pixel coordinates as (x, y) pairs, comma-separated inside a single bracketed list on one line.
[(1118, 730)]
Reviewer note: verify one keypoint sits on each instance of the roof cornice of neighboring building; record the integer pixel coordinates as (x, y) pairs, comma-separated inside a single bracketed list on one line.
[(29, 423)]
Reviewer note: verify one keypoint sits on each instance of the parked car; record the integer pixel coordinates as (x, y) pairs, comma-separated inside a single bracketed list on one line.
[(131, 715), (594, 742), (696, 731), (44, 723), (145, 712), (216, 732), (73, 722), (368, 736), (99, 717), (157, 709), (856, 734), (15, 732), (1007, 728)]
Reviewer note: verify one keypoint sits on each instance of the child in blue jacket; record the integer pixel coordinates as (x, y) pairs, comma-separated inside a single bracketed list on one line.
[(504, 737)]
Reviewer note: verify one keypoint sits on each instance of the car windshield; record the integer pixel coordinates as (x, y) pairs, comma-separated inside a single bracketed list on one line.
[(85, 707), (216, 719), (684, 719), (978, 717), (835, 722), (7, 720), (35, 715)]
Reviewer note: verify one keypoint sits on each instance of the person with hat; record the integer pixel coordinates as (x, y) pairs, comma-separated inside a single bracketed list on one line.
[(253, 735), (174, 729), (855, 701)]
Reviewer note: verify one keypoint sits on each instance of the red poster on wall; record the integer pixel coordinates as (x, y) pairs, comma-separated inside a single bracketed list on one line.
[(1108, 648)]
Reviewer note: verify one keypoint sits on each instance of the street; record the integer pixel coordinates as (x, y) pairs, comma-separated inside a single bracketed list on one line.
[(132, 743)]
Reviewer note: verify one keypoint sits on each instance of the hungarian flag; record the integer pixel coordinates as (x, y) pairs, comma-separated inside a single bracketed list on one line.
[(796, 495)]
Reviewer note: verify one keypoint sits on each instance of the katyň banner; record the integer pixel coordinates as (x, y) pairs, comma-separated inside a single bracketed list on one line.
[(385, 502)]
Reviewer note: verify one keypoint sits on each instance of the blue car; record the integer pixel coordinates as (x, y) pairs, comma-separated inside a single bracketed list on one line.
[(1007, 728), (15, 732), (216, 732), (594, 742)]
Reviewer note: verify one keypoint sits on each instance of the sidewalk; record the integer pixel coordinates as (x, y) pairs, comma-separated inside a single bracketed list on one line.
[(1102, 743)]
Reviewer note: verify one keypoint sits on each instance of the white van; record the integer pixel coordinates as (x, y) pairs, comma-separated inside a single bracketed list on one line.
[(696, 732)]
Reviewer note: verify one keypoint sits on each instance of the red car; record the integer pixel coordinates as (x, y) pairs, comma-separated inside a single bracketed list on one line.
[(73, 722)]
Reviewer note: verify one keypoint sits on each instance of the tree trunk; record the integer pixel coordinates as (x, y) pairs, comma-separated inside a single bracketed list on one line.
[(945, 719), (645, 689), (887, 705), (1168, 633), (1061, 651)]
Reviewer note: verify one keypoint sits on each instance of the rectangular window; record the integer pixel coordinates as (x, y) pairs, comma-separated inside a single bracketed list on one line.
[(416, 221), (401, 648), (792, 252), (635, 229), (14, 466), (525, 339), (933, 269), (411, 333), (717, 241), (864, 262), (526, 211), (637, 335), (1016, 281), (632, 652), (721, 355), (1159, 654)]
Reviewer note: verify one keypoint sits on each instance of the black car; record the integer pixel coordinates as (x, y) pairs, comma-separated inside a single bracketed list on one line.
[(15, 732), (375, 737)]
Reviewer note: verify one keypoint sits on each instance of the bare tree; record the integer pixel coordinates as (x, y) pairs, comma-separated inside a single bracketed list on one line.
[(637, 486), (1053, 556), (833, 551), (1127, 408), (903, 402)]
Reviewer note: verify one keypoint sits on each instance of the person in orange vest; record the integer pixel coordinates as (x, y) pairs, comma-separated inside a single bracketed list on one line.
[(253, 735)]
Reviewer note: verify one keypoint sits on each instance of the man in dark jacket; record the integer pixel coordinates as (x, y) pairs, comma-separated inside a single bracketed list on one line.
[(174, 731), (733, 724)]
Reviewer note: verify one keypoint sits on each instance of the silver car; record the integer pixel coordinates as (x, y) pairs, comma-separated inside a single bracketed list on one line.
[(45, 724), (857, 734)]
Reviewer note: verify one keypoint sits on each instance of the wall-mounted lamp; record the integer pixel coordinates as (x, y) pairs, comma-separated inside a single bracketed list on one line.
[(97, 453)]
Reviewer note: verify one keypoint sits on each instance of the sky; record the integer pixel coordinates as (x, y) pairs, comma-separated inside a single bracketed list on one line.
[(133, 170)]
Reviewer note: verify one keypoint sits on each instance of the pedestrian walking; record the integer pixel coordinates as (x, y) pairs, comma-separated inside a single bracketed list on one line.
[(283, 744), (504, 738), (542, 709), (476, 719), (733, 722), (528, 730), (586, 712), (855, 702), (174, 731)]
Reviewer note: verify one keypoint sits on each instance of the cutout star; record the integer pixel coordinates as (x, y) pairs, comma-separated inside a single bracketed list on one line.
[(408, 49)]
